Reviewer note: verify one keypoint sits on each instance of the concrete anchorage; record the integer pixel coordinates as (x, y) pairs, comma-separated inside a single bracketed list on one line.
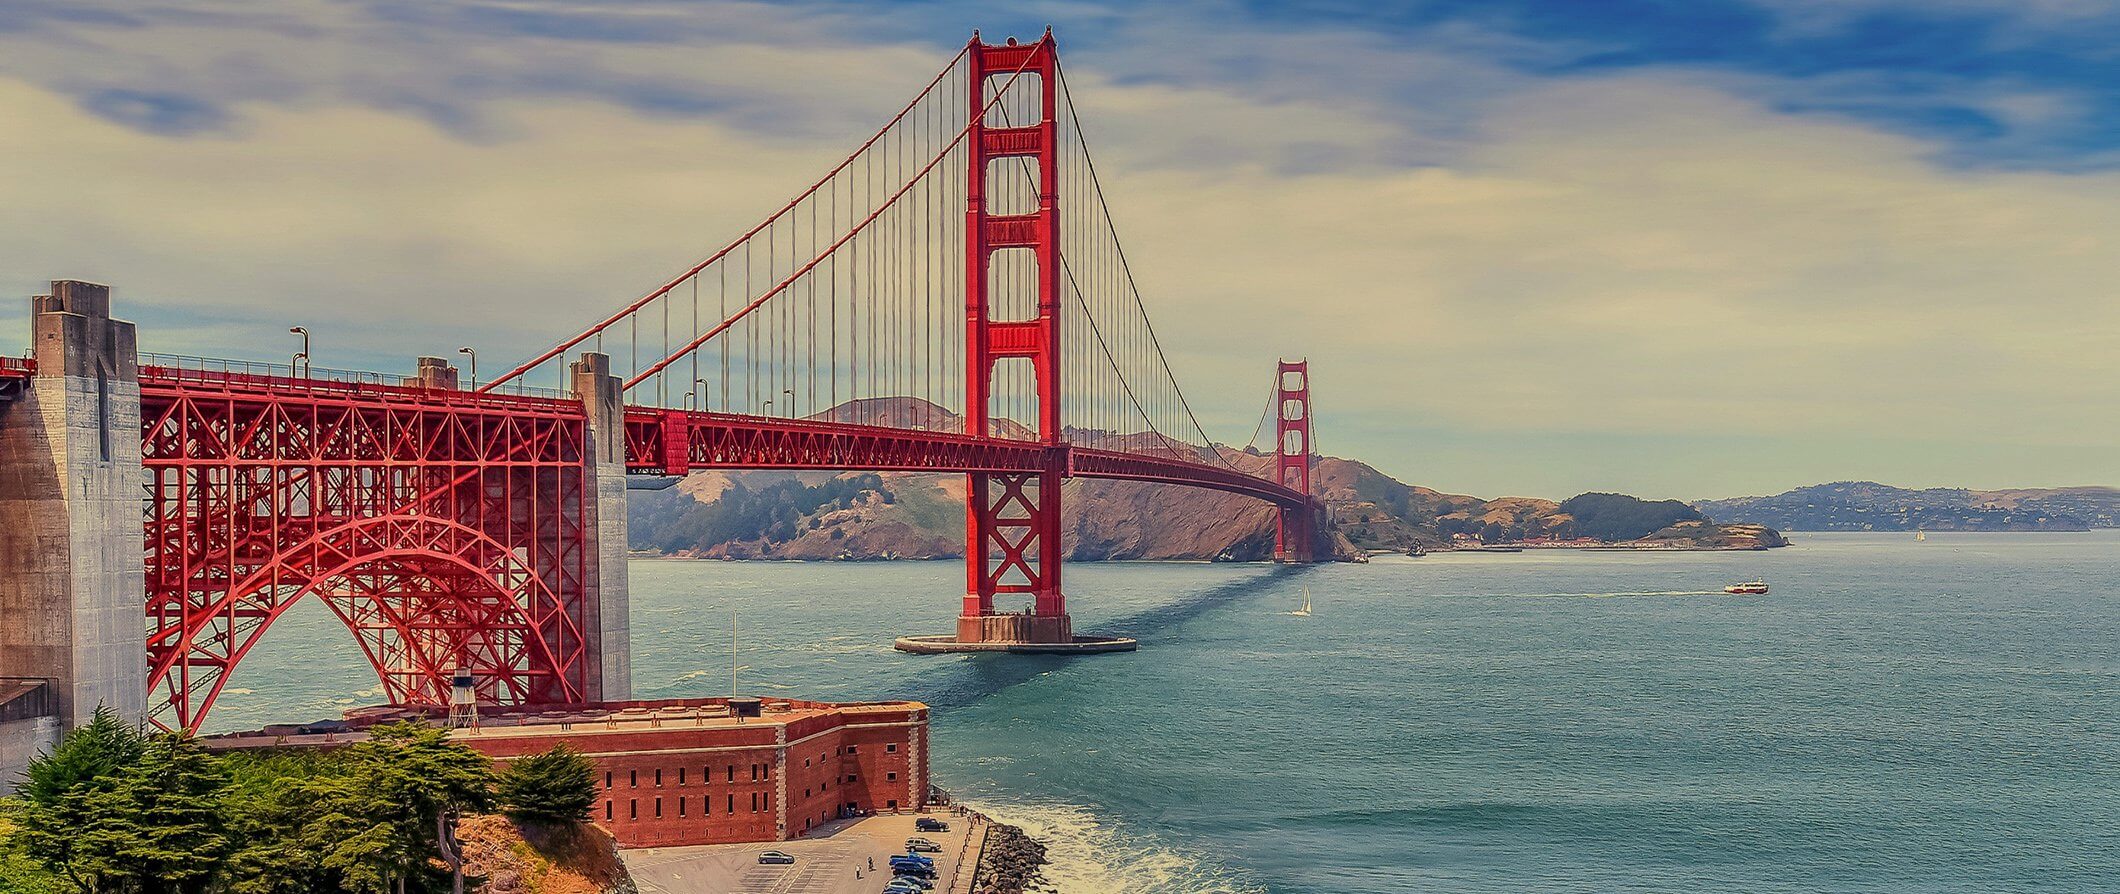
[(72, 555)]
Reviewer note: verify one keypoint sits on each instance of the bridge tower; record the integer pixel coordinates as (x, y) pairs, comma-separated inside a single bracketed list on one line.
[(1012, 527), (1295, 529), (71, 543)]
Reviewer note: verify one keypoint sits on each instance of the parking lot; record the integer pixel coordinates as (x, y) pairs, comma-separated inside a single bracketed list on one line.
[(826, 861)]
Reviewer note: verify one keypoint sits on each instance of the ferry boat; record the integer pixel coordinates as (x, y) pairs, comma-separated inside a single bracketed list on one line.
[(1748, 588)]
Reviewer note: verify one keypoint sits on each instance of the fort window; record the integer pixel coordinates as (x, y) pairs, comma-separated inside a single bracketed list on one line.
[(633, 809), (891, 804), (658, 808), (890, 748), (680, 776), (607, 779), (607, 810), (680, 805), (633, 778), (890, 777), (658, 777)]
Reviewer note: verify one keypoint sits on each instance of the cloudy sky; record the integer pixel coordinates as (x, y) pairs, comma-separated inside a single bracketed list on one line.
[(1531, 246)]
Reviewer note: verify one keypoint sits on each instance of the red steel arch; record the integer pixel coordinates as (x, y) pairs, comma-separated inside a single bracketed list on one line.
[(422, 596), (442, 527)]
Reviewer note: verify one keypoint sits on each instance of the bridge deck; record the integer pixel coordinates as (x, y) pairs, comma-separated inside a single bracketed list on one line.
[(673, 442)]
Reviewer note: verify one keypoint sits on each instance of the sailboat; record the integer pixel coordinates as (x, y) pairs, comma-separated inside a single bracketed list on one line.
[(1303, 612), (1920, 535)]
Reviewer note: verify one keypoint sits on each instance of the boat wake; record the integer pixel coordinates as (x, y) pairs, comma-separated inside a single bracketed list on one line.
[(1622, 595), (1089, 855)]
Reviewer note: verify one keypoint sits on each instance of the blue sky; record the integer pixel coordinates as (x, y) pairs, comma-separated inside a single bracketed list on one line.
[(1680, 248)]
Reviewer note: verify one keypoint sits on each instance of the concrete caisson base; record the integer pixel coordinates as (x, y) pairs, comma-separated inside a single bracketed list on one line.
[(1081, 645)]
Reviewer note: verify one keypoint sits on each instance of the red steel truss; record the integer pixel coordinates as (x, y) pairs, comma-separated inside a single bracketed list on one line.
[(448, 528), (445, 529)]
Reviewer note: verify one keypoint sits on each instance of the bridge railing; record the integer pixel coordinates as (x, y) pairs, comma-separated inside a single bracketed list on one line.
[(219, 368)]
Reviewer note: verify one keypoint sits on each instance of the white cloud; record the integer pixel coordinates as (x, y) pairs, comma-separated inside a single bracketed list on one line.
[(1569, 261)]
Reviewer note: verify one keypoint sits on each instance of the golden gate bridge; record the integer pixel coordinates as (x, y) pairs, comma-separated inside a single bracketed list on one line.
[(952, 297)]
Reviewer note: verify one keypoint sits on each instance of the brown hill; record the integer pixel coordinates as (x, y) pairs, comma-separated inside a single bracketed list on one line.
[(865, 515)]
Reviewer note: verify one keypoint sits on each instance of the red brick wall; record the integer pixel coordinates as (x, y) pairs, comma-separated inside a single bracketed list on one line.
[(694, 792)]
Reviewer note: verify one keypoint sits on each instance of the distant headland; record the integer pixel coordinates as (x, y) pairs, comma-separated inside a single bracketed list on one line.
[(1870, 506)]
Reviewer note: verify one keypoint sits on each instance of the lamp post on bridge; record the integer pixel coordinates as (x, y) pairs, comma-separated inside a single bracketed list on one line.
[(301, 358), (790, 405), (700, 386), (473, 352)]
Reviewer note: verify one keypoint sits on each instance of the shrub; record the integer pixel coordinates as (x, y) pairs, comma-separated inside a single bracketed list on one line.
[(558, 786)]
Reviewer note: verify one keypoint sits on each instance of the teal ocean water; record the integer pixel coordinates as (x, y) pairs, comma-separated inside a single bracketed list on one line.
[(1895, 717)]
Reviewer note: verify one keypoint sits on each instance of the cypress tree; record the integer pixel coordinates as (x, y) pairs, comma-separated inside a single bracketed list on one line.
[(558, 786)]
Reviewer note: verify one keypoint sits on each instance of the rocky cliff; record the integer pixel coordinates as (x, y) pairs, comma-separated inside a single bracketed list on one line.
[(509, 858)]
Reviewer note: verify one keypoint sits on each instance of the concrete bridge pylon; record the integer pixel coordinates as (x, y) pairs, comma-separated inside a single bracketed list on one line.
[(71, 540)]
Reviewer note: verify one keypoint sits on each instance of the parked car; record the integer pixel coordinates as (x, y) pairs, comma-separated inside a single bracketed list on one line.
[(921, 845), (902, 886), (916, 881), (776, 857), (907, 864), (912, 860), (930, 824)]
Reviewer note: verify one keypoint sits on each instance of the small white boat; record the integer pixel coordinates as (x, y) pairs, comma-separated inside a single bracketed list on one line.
[(1748, 588), (1303, 612), (1920, 535)]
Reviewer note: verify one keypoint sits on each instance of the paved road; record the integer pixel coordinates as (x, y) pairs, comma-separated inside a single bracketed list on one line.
[(825, 862)]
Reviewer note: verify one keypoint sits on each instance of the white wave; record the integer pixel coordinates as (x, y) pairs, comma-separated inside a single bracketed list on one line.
[(1087, 854), (1593, 595)]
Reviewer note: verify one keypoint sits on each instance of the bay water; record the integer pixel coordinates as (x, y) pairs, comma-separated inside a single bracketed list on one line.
[(1895, 716)]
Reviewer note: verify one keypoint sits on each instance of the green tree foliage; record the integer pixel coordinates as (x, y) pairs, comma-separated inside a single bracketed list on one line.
[(558, 786), (1621, 517), (74, 815), (111, 811), (420, 782), (175, 822)]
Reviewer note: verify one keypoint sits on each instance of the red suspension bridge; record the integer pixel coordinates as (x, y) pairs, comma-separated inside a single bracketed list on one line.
[(952, 297)]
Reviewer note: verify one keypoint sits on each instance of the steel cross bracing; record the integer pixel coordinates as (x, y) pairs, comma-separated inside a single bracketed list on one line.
[(926, 306), (443, 528)]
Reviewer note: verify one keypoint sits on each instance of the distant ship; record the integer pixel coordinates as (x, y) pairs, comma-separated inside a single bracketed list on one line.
[(1748, 588), (1303, 612)]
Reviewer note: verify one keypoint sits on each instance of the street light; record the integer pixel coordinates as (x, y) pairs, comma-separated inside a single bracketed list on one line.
[(790, 405), (301, 357), (700, 385), (474, 364)]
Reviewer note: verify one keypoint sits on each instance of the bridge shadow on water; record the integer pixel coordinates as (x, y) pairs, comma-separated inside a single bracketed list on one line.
[(976, 677)]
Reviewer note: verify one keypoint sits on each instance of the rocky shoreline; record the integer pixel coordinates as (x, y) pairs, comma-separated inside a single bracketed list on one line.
[(1010, 862)]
